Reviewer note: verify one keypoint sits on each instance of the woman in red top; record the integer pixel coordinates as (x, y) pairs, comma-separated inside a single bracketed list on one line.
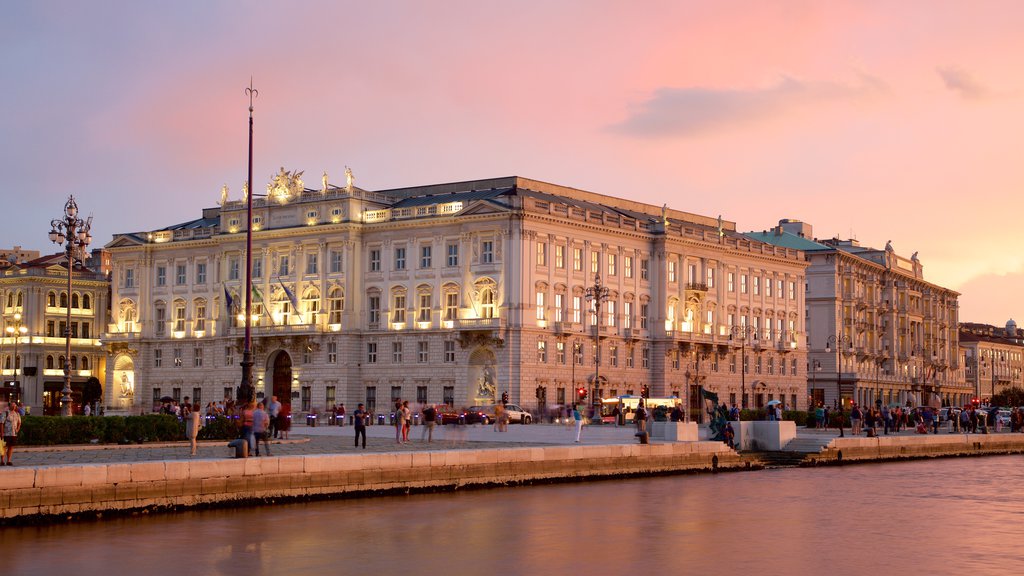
[(284, 420)]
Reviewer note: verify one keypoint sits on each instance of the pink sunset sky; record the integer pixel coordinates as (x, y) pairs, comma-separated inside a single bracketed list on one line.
[(882, 121)]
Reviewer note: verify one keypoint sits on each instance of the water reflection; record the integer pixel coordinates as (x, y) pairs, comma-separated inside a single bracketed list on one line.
[(928, 516)]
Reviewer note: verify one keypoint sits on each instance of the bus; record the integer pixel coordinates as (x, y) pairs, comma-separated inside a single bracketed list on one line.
[(627, 406)]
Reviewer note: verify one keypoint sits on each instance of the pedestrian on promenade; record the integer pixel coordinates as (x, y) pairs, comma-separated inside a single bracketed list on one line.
[(341, 414), (578, 419), (640, 417), (406, 421), (359, 419), (397, 421), (819, 416), (246, 419), (429, 417), (261, 428), (10, 423), (192, 426), (856, 415), (499, 411), (273, 410), (284, 420), (886, 420), (729, 434)]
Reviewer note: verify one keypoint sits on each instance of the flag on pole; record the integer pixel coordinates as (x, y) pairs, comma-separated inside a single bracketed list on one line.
[(257, 295), (229, 300), (290, 295)]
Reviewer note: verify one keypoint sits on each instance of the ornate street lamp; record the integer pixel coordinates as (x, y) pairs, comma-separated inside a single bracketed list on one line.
[(17, 330), (73, 234), (246, 391), (597, 294)]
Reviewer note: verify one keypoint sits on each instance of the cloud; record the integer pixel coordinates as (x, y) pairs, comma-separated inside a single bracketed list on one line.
[(691, 111), (960, 81)]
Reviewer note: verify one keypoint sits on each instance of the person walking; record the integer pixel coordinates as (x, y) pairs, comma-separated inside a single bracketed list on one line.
[(359, 420), (10, 424), (261, 428), (192, 426), (429, 417), (578, 419), (273, 410)]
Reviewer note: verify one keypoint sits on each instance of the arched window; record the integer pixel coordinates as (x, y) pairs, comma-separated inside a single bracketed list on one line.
[(199, 309), (487, 303), (74, 362), (10, 299), (74, 301), (310, 305), (179, 315), (335, 305), (63, 299), (86, 304), (85, 362), (51, 299), (61, 360), (20, 301), (49, 362)]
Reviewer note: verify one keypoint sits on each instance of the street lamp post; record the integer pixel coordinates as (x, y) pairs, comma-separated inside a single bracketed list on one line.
[(74, 235), (839, 340), (17, 330), (597, 294), (246, 391), (742, 333)]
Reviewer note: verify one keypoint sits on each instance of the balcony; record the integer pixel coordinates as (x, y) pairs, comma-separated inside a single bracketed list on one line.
[(696, 287), (478, 323)]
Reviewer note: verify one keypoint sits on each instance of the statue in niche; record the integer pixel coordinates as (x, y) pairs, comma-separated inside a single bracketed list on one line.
[(127, 390), (486, 385)]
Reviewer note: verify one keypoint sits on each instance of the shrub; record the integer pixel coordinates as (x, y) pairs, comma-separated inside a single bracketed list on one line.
[(219, 428), (49, 430)]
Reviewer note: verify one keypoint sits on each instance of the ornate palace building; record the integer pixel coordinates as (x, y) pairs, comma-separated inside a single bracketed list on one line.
[(34, 303), (992, 356), (877, 331), (454, 293)]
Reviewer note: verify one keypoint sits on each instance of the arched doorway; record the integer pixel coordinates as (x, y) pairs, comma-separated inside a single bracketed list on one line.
[(281, 377)]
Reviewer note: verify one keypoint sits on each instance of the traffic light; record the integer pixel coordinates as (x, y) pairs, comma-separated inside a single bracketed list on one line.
[(581, 393), (504, 397), (645, 391)]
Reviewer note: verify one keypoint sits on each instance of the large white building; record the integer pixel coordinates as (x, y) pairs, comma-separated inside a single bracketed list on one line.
[(878, 332), (454, 293), (993, 358)]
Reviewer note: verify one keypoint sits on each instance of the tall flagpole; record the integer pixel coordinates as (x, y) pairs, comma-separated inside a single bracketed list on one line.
[(246, 392)]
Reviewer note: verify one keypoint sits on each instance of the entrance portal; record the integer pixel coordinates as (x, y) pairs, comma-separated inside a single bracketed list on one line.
[(282, 378)]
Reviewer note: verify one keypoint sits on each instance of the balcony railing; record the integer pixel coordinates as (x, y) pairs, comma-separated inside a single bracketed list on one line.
[(478, 323)]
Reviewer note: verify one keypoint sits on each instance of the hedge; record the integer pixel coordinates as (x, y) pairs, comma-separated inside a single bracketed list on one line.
[(49, 430)]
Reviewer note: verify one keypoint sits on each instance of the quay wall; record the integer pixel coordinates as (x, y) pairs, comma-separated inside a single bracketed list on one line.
[(884, 448), (50, 491)]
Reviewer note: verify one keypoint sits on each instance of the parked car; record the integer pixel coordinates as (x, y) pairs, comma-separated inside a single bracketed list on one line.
[(477, 415), (448, 415), (517, 414)]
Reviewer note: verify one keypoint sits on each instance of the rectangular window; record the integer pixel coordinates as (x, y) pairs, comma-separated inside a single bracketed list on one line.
[(743, 283), (595, 262), (627, 314), (487, 252), (373, 308), (778, 289), (542, 351), (197, 357), (542, 253), (448, 395), (453, 255), (179, 318), (629, 357), (644, 307), (691, 274), (610, 308), (396, 352), (710, 277), (179, 276), (371, 352), (423, 312), (560, 352), (229, 355), (451, 305), (161, 320), (398, 310), (645, 269), (161, 275), (449, 351), (129, 278), (613, 356), (371, 398), (178, 353), (731, 282), (158, 358), (559, 308), (792, 367), (50, 329), (200, 317), (627, 266), (792, 290), (645, 357), (233, 268), (426, 256), (307, 395), (312, 263), (200, 272), (375, 260), (422, 351), (612, 264), (540, 306), (257, 267), (399, 259), (577, 303), (282, 265), (332, 352), (757, 285), (197, 396), (671, 271), (421, 394), (336, 261), (577, 259), (559, 256), (330, 397)]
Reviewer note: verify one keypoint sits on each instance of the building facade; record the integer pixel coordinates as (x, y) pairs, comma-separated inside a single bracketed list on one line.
[(454, 293), (878, 332), (992, 358), (34, 306)]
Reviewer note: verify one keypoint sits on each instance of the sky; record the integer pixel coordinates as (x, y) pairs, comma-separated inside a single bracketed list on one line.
[(871, 120)]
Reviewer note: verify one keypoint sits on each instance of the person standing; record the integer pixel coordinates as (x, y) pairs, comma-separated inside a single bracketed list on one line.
[(429, 416), (192, 426), (341, 414), (398, 421), (261, 428), (855, 419), (247, 419), (284, 420), (10, 423), (360, 418), (273, 410), (406, 421), (578, 419), (640, 417)]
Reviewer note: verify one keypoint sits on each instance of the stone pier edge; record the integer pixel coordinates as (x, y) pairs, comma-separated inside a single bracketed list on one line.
[(889, 448), (49, 493)]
